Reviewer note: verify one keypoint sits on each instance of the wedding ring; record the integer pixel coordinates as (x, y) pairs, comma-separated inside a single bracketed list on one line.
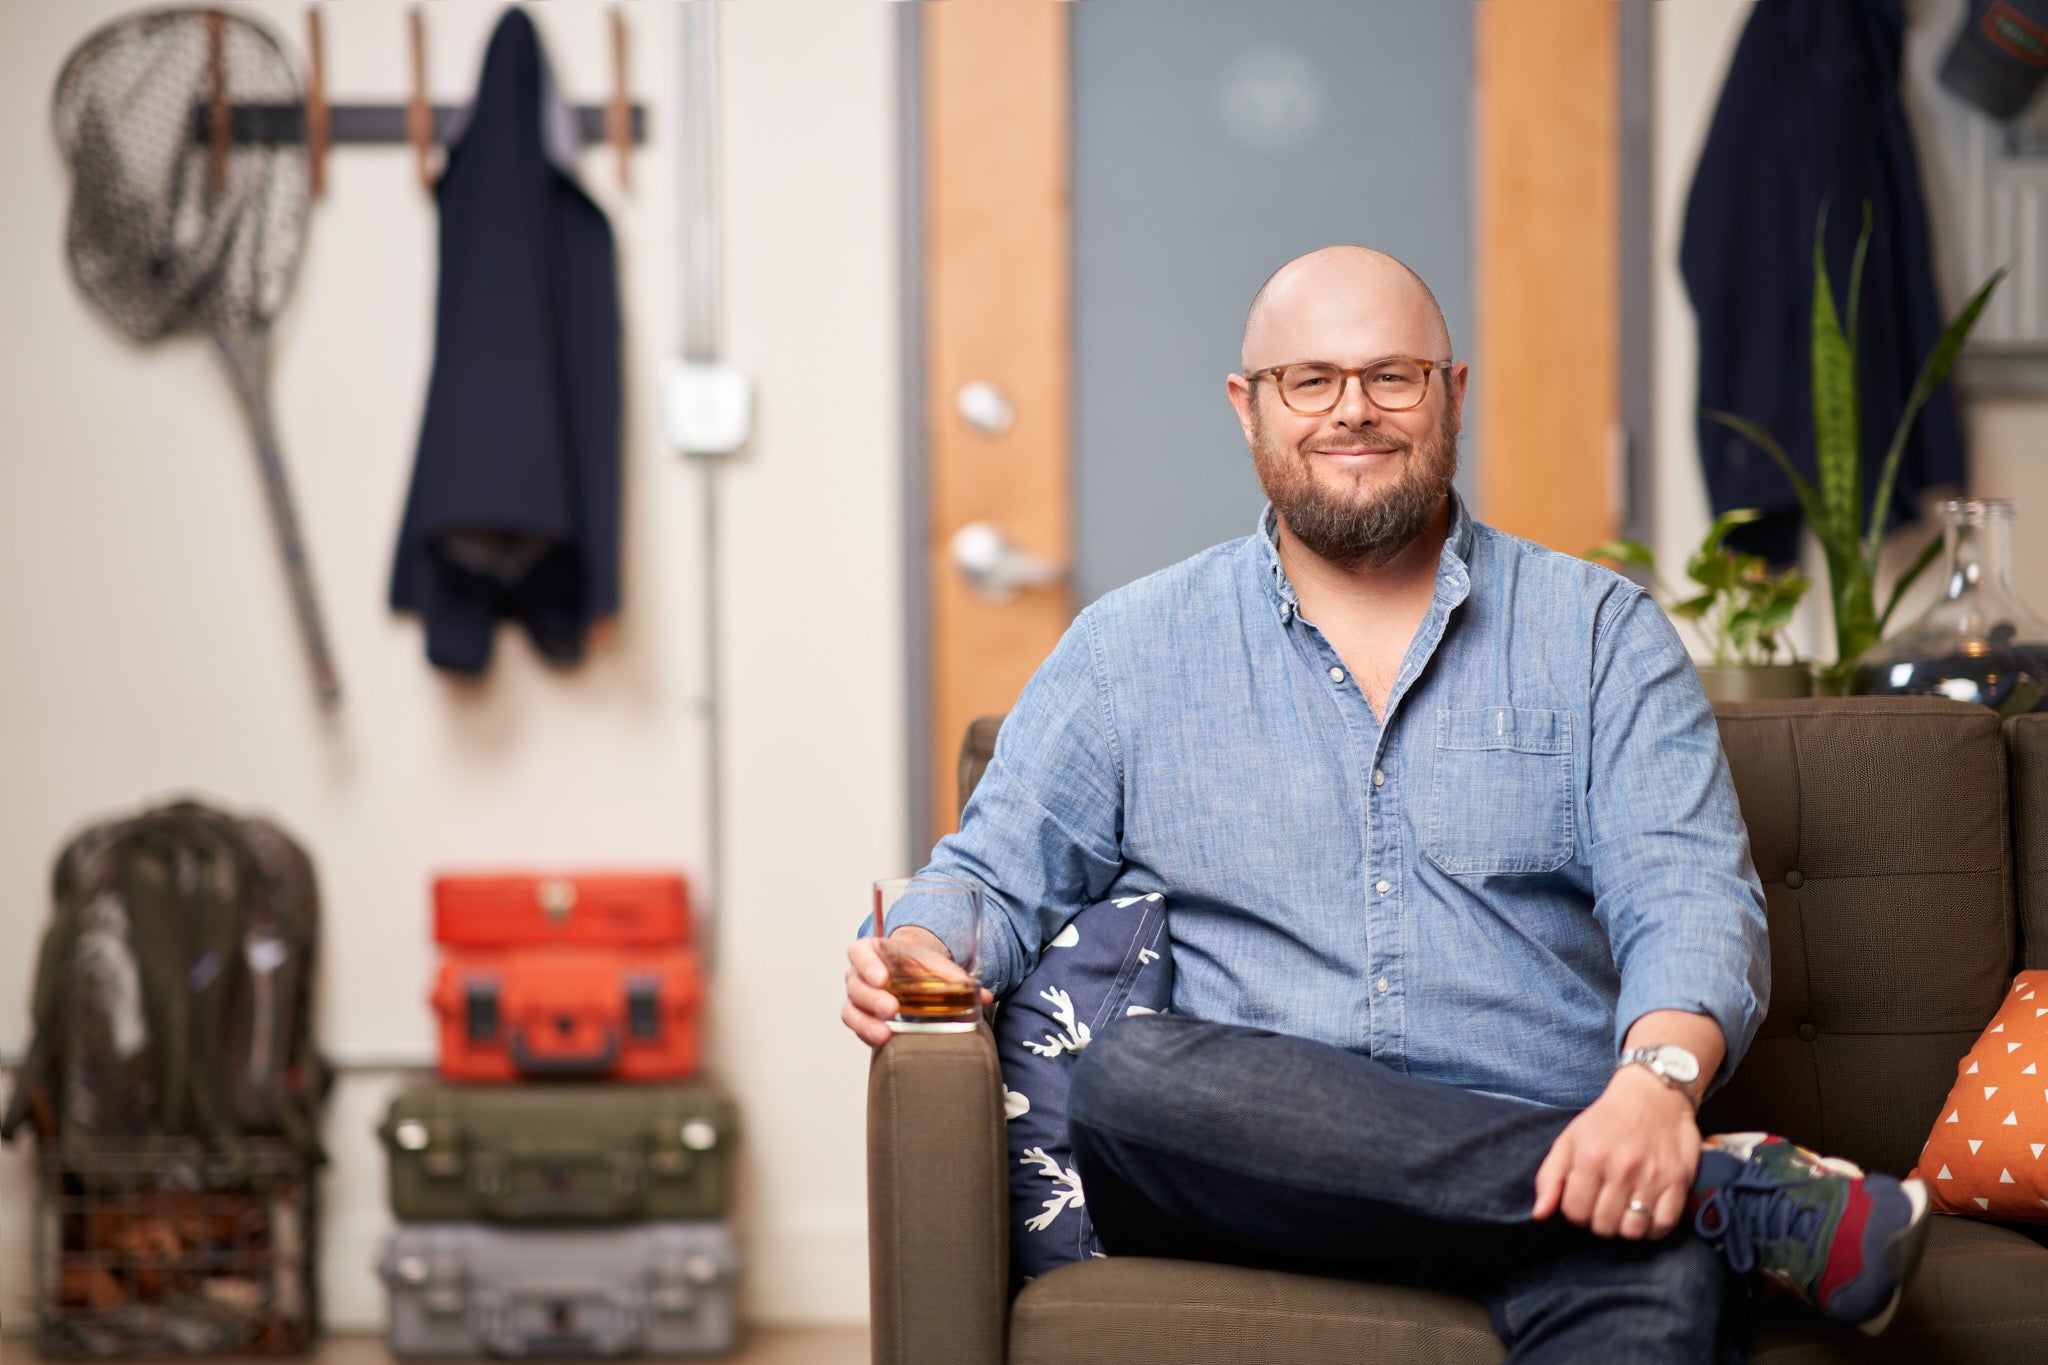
[(1638, 1206)]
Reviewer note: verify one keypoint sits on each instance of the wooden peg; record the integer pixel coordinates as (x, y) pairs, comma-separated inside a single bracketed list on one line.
[(419, 111), (319, 127), (220, 129), (618, 115)]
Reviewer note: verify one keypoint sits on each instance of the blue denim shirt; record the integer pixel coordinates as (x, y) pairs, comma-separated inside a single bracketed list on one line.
[(1537, 844)]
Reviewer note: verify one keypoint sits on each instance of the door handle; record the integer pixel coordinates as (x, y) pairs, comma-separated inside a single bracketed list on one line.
[(997, 569)]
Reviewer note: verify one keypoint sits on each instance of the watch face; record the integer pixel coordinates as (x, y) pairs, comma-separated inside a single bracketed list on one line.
[(1678, 1064)]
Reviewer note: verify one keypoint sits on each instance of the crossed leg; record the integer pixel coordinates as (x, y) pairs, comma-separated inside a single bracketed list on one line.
[(1218, 1142)]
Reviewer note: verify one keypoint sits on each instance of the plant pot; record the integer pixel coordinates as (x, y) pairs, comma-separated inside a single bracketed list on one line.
[(1757, 682)]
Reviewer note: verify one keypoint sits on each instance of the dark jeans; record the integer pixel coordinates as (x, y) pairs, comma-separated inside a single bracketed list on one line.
[(1214, 1142)]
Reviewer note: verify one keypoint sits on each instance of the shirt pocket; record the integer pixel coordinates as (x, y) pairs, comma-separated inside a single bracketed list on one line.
[(1502, 801)]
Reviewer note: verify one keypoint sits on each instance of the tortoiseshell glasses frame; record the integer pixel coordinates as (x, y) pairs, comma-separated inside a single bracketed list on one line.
[(1315, 387)]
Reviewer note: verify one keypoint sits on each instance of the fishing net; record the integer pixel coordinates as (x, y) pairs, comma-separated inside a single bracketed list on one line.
[(190, 192)]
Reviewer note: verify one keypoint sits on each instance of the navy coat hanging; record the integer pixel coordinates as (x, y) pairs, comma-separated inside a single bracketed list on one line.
[(514, 509), (1811, 106)]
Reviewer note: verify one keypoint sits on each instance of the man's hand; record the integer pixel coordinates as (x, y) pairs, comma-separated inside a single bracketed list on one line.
[(869, 1006), (1638, 1141)]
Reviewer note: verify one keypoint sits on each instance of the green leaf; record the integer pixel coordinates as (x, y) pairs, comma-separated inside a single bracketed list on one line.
[(1711, 571), (1809, 498), (1849, 584), (1776, 615), (1752, 571), (1693, 608), (1726, 522), (1624, 552), (1933, 373), (1837, 440), (1856, 277), (1927, 555), (2026, 694)]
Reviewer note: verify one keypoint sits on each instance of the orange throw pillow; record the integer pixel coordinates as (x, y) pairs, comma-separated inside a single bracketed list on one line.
[(1985, 1157)]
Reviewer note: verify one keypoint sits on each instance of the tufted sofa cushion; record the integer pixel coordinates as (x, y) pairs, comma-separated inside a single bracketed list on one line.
[(1881, 831), (2026, 747)]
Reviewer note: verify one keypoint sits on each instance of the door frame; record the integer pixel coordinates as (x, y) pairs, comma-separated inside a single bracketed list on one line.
[(910, 235)]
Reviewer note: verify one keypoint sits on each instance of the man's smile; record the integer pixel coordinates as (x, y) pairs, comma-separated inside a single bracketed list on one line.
[(1355, 454)]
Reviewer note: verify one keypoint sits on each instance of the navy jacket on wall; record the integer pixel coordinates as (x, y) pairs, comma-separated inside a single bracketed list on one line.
[(514, 509), (1811, 106)]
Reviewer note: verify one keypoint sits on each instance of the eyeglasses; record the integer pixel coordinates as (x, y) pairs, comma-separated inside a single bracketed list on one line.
[(1314, 387)]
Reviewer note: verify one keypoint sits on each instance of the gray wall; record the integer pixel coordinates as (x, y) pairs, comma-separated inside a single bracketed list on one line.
[(1213, 141)]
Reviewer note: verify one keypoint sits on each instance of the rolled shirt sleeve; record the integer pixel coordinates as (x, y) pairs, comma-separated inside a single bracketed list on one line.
[(1674, 886)]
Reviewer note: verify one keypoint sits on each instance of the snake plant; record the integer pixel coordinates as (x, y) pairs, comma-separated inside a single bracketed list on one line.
[(1833, 505)]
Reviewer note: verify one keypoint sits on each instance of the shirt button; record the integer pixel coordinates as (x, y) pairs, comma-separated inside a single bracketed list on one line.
[(1383, 985), (1384, 887), (1336, 675), (1379, 779)]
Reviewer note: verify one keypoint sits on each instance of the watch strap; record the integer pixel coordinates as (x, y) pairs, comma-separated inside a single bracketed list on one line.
[(1650, 1061)]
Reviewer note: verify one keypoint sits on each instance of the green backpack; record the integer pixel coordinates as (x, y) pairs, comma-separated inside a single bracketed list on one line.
[(173, 993)]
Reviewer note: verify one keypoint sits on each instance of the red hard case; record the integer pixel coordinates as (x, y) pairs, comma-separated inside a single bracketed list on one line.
[(603, 1013), (615, 910)]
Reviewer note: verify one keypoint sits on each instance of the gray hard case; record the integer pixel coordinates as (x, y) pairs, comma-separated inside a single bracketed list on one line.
[(641, 1289)]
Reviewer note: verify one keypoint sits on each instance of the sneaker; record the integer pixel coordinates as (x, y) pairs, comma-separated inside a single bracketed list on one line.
[(1839, 1239)]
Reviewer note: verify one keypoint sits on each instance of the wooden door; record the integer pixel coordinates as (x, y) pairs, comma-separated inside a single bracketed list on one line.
[(995, 116), (1547, 81)]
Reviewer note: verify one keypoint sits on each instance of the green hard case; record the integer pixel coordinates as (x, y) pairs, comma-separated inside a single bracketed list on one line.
[(559, 1153)]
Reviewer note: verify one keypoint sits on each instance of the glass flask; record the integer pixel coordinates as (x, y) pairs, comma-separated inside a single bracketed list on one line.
[(1980, 642)]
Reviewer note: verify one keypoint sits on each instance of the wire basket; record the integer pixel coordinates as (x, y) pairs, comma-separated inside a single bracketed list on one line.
[(162, 1249)]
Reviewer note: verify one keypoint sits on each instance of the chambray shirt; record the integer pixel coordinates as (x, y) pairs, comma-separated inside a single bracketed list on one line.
[(1537, 844)]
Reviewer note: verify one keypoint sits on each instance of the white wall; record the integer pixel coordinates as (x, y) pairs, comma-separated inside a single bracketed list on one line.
[(1692, 44), (146, 644)]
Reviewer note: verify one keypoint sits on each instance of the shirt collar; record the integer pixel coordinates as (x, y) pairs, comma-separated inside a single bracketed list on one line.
[(1452, 580)]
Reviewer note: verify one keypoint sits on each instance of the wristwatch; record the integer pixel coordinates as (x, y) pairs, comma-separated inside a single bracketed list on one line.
[(1669, 1063)]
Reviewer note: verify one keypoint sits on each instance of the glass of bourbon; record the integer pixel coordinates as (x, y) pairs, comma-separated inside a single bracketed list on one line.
[(935, 992)]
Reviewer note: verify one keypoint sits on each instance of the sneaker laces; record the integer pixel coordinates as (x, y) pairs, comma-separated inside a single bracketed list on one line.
[(1757, 1207)]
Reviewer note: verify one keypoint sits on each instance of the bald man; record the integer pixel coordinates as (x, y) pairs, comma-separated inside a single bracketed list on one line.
[(1463, 917)]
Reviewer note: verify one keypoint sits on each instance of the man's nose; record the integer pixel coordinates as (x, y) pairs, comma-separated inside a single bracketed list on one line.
[(1353, 408)]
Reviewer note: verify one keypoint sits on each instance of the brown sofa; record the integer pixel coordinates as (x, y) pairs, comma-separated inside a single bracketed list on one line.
[(1903, 847)]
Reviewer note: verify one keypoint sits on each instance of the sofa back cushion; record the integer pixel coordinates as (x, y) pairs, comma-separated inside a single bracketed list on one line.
[(2026, 748), (1881, 830)]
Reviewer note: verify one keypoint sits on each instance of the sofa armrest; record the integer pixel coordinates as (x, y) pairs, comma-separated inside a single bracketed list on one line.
[(938, 1201)]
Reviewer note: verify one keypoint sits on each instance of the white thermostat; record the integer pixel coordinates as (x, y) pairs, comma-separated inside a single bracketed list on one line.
[(707, 408)]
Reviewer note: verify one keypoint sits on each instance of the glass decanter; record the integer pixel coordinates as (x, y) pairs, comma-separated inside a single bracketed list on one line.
[(1980, 642)]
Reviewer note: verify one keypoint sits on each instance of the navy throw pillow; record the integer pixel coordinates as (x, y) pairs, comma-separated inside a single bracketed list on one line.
[(1111, 960)]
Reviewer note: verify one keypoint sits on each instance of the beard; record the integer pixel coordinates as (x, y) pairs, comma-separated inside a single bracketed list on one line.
[(1338, 515)]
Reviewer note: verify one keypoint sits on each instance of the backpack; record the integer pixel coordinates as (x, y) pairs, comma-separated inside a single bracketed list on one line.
[(173, 990)]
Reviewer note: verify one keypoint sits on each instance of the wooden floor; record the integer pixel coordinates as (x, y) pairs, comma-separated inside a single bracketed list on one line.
[(840, 1346)]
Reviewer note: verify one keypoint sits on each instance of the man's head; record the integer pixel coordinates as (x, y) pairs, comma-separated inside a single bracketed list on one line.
[(1356, 483)]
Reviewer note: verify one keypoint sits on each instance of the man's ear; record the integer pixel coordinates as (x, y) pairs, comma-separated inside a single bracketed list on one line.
[(1241, 399), (1460, 373)]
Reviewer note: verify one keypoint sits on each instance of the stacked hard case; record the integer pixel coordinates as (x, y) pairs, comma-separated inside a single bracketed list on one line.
[(562, 1189), (589, 977)]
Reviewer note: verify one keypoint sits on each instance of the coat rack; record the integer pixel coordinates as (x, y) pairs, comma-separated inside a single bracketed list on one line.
[(418, 121)]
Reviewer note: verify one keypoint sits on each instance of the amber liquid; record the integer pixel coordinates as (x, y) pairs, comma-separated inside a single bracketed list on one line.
[(930, 999)]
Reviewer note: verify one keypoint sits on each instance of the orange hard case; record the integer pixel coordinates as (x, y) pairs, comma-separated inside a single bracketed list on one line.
[(589, 975)]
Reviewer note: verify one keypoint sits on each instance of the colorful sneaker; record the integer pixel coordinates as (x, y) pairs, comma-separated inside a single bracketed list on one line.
[(1841, 1240)]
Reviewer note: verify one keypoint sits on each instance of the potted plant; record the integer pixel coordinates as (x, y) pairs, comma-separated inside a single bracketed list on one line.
[(1742, 610), (1834, 508)]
